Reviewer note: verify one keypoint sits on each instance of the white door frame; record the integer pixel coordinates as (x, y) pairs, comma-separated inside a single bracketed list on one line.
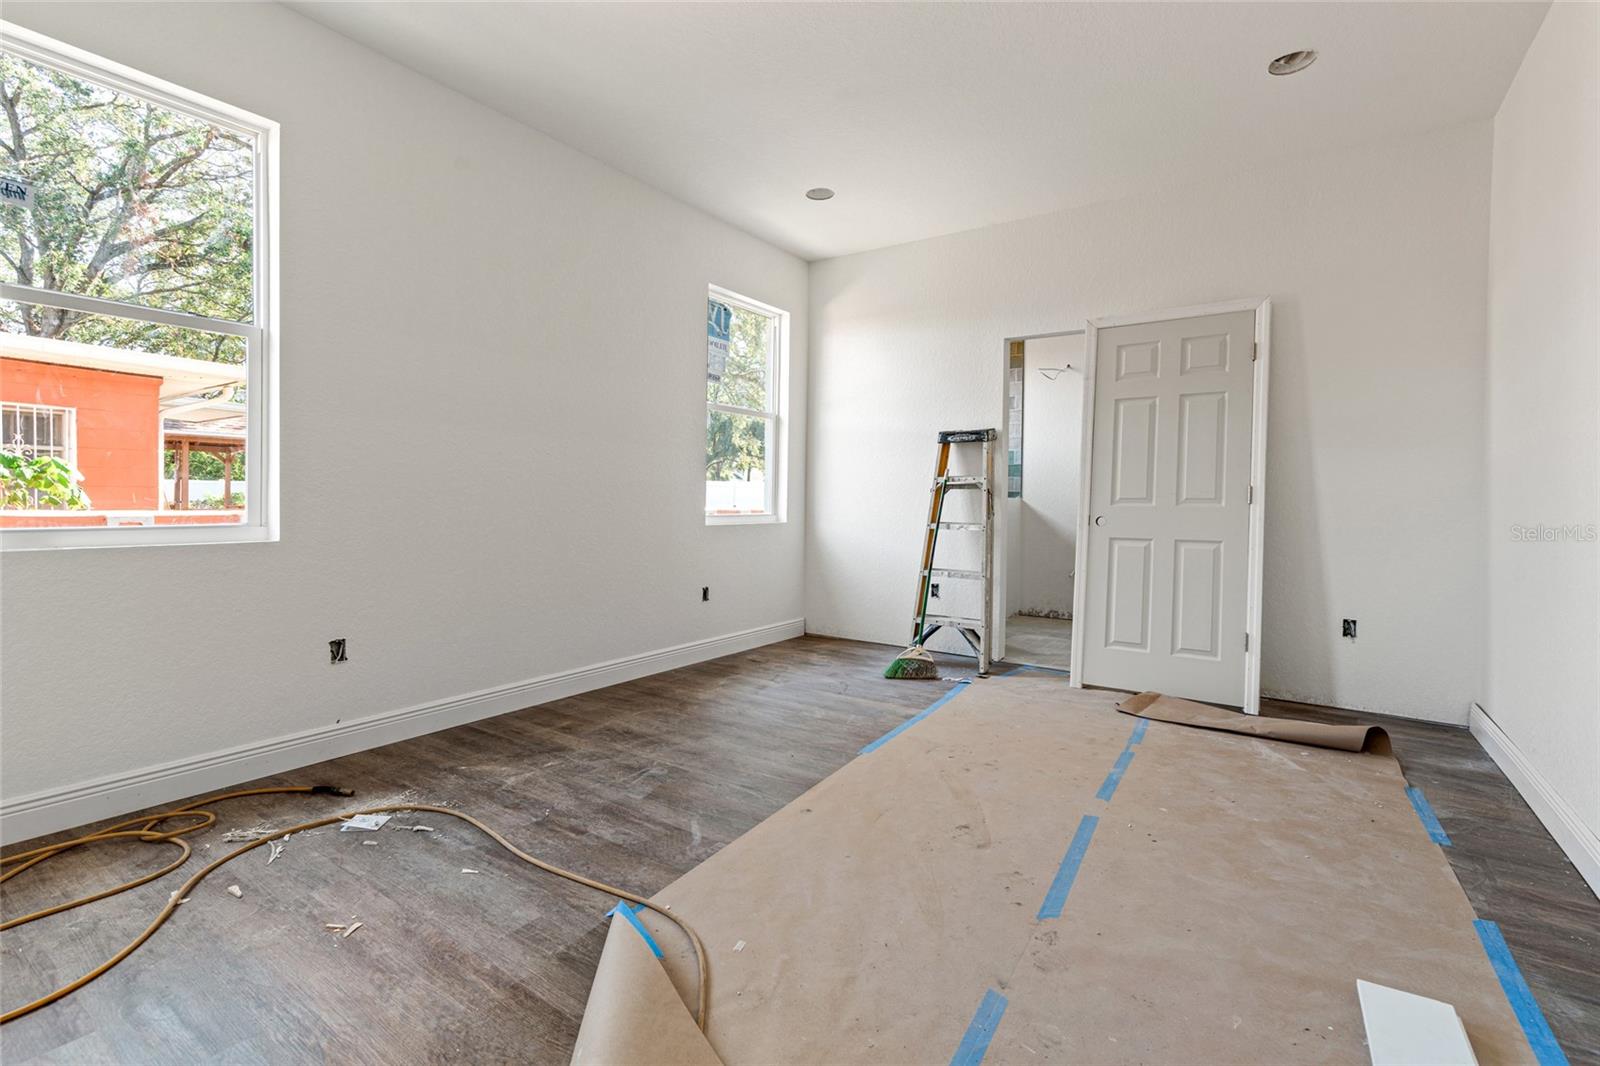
[(1002, 605), (1262, 306)]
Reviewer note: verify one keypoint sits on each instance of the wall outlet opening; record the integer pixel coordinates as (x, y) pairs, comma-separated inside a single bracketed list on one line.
[(705, 593), (1349, 628), (336, 651)]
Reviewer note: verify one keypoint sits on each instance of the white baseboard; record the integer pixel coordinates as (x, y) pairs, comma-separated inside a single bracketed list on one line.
[(1580, 842), (89, 801)]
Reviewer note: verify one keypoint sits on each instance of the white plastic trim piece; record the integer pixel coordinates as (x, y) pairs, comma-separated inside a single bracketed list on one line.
[(1404, 1029)]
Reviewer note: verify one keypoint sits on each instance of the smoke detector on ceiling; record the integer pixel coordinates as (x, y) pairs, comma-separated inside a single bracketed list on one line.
[(1292, 62)]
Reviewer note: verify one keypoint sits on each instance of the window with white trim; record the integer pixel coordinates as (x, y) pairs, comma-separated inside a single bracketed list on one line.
[(134, 306), (745, 343)]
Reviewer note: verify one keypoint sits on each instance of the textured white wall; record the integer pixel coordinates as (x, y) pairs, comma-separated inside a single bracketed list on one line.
[(1542, 667), (1375, 260), (1052, 422), (448, 276)]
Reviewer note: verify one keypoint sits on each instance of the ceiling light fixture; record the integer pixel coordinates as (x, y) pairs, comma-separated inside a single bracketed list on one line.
[(1292, 62), (819, 193)]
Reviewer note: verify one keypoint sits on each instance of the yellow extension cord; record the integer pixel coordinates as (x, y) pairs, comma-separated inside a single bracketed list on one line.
[(144, 829)]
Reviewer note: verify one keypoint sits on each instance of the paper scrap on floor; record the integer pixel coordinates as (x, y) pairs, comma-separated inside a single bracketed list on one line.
[(363, 823)]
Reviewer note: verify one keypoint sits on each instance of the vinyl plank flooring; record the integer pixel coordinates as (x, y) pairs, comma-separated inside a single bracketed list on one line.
[(635, 785), (1039, 641), (1509, 866)]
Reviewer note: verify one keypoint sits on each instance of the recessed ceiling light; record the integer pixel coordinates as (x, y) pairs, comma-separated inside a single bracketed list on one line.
[(1292, 62), (819, 193)]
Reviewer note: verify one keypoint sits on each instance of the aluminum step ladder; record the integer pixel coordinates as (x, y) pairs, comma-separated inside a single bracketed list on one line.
[(975, 631)]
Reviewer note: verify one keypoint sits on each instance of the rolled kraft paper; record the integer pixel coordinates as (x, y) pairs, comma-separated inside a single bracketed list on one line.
[(1153, 705)]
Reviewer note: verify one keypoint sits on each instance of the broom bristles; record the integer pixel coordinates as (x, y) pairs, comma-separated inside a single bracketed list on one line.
[(913, 664)]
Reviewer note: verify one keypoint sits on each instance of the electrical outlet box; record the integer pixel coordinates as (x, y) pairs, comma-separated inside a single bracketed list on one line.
[(1348, 629), (705, 593), (933, 590), (336, 651)]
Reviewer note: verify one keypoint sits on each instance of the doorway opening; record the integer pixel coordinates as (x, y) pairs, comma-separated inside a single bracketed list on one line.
[(1043, 437)]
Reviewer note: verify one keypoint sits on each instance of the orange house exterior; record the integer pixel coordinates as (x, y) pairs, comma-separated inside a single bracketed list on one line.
[(127, 409), (118, 432)]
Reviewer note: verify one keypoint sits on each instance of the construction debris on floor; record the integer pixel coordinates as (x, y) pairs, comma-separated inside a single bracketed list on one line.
[(152, 829), (363, 823)]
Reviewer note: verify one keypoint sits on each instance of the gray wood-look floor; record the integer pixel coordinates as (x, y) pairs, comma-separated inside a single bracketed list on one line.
[(1039, 641), (635, 785)]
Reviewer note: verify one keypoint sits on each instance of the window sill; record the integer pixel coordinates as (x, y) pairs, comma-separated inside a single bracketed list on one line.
[(20, 540), (742, 519)]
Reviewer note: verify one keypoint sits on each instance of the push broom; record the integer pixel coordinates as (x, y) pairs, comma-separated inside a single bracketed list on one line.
[(913, 664), (916, 663)]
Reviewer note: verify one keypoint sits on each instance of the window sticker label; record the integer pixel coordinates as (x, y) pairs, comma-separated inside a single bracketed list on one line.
[(719, 327)]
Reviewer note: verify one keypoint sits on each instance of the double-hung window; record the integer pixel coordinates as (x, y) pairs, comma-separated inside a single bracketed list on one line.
[(745, 369), (136, 341)]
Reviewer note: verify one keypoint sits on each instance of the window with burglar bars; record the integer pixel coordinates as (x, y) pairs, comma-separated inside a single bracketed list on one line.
[(34, 430)]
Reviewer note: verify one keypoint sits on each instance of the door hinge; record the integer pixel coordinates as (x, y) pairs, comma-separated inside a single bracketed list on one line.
[(1247, 642), (1255, 350), (1250, 495)]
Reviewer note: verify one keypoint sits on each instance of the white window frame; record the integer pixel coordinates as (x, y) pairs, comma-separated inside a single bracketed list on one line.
[(260, 334), (776, 413)]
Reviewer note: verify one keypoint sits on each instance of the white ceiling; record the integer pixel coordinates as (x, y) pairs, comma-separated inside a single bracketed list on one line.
[(934, 118)]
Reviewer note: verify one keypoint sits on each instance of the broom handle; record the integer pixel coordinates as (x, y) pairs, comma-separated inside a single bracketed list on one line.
[(935, 515)]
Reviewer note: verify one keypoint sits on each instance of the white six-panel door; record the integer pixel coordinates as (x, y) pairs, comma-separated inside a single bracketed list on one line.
[(1168, 546)]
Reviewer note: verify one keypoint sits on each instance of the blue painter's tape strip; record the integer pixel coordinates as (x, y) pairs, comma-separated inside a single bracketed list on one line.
[(1114, 778), (914, 719), (632, 915), (975, 1044), (1534, 1026), (1138, 731), (1430, 821), (1056, 897)]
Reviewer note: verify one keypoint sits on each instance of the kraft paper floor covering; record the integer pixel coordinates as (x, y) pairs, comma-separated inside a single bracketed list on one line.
[(1026, 876)]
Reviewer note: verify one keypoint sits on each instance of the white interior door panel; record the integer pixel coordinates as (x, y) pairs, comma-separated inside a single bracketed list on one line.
[(1168, 545)]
